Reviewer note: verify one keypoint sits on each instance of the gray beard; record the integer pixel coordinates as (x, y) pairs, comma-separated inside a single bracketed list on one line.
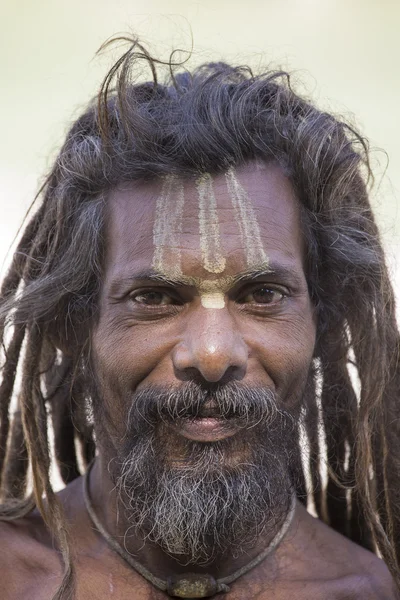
[(205, 506)]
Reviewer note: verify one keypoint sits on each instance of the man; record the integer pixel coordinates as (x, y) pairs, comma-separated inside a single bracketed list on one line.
[(200, 305)]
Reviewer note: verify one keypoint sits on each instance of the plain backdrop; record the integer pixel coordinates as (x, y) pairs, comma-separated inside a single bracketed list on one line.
[(344, 54)]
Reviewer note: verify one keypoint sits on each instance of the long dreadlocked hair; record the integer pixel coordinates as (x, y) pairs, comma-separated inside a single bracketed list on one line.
[(208, 120)]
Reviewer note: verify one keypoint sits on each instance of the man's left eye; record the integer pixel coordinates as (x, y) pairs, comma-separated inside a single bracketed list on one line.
[(152, 298), (263, 295)]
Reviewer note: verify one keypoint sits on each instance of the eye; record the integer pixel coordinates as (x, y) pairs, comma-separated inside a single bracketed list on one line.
[(152, 298), (263, 295)]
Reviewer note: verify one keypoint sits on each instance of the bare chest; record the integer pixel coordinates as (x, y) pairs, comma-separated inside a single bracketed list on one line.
[(97, 584), (112, 586), (104, 577)]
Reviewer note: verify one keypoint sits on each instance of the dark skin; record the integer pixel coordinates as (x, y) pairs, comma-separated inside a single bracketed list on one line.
[(152, 333)]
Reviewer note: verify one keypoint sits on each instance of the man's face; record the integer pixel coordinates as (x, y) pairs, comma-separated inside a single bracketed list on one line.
[(202, 349)]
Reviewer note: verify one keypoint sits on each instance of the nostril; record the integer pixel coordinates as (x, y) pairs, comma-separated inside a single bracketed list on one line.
[(189, 374)]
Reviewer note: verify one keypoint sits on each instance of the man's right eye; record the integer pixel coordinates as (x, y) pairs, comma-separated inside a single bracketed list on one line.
[(152, 298)]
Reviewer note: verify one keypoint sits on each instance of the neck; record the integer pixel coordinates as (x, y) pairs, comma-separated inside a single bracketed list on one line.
[(111, 513)]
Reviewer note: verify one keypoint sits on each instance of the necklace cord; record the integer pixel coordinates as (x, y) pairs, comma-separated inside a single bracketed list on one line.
[(114, 545), (161, 584)]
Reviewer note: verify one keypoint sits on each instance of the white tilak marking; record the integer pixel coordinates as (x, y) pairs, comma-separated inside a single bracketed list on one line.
[(210, 242), (212, 291), (168, 226), (247, 220), (212, 299)]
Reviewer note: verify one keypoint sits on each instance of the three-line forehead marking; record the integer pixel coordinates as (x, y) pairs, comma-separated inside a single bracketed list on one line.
[(167, 230), (249, 228), (167, 226), (210, 237)]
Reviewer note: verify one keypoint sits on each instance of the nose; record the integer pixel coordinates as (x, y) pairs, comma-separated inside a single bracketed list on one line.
[(211, 348)]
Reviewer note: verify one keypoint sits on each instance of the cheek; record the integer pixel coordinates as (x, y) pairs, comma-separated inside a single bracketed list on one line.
[(285, 351), (125, 355)]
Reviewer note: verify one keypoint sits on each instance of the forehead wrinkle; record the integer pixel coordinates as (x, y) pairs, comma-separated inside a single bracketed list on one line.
[(128, 219), (203, 284)]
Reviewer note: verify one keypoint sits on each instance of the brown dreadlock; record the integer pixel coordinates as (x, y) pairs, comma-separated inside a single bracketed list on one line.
[(207, 120)]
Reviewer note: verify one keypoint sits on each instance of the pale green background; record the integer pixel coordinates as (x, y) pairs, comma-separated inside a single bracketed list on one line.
[(346, 52)]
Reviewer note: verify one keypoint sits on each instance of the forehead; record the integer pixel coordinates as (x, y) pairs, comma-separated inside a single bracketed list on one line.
[(213, 223)]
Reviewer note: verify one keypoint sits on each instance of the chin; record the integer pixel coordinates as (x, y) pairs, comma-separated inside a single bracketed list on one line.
[(199, 501)]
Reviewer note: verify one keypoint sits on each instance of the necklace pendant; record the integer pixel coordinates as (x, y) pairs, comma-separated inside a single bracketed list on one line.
[(191, 585)]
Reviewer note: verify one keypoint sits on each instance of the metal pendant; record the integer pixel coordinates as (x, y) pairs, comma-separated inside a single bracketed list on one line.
[(191, 585)]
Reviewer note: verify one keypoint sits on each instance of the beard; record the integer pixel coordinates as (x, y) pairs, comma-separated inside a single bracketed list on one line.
[(203, 500)]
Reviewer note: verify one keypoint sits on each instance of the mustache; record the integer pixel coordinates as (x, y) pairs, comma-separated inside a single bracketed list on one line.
[(247, 406)]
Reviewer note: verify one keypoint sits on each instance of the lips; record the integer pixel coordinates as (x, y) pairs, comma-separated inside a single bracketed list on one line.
[(205, 427)]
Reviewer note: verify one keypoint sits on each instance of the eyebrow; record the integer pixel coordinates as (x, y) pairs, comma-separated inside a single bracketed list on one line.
[(279, 271)]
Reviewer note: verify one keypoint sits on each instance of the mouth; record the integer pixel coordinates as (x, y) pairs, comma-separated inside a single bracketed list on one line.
[(205, 428), (207, 424)]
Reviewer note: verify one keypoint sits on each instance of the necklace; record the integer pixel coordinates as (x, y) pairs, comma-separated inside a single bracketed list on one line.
[(189, 585)]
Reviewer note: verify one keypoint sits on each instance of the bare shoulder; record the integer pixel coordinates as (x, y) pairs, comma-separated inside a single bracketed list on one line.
[(344, 569), (365, 575), (374, 578), (28, 559), (376, 584)]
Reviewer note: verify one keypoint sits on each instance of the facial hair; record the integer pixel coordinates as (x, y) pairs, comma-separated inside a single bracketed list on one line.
[(203, 500)]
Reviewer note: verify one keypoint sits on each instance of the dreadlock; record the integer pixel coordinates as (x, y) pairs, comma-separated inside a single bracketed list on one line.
[(208, 120)]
